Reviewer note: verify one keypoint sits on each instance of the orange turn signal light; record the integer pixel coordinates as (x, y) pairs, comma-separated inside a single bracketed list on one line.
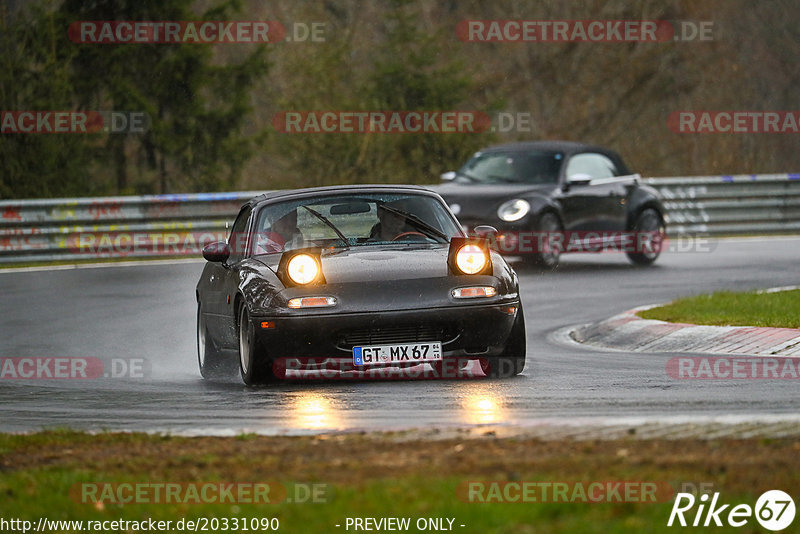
[(474, 292), (312, 302), (267, 324)]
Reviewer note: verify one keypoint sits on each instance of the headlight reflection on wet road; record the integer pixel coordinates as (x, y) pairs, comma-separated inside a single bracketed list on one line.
[(314, 411), (483, 407)]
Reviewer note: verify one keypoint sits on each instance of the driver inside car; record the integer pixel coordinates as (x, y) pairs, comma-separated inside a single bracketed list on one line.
[(390, 226), (282, 235)]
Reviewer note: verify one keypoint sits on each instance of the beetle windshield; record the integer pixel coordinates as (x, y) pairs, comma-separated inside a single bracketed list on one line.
[(352, 220), (525, 167)]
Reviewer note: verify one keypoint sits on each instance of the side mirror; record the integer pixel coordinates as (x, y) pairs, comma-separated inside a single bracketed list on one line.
[(579, 179), (485, 230), (448, 176), (217, 252)]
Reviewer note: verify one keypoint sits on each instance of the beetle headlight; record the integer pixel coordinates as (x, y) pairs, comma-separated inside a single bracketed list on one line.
[(513, 210), (471, 259), (302, 269)]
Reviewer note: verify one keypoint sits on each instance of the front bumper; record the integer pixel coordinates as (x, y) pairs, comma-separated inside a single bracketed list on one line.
[(466, 331)]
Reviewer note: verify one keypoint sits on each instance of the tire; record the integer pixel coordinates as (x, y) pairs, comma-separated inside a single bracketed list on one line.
[(254, 365), (548, 258), (512, 361), (649, 220), (209, 359)]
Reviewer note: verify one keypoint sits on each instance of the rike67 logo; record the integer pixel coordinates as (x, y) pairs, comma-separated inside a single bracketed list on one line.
[(774, 510)]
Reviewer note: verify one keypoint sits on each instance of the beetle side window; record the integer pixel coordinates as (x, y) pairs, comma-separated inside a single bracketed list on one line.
[(238, 238), (595, 165)]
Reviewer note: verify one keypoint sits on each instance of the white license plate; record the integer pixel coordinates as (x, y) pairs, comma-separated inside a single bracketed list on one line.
[(406, 353)]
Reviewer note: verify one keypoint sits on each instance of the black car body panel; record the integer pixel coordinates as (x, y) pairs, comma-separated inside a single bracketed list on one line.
[(395, 292), (606, 203)]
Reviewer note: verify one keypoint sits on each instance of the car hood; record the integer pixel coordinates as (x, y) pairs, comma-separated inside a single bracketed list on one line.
[(378, 262), (389, 262), (392, 277), (480, 200)]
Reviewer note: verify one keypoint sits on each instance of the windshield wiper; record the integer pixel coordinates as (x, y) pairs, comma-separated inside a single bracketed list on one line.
[(418, 223), (329, 224)]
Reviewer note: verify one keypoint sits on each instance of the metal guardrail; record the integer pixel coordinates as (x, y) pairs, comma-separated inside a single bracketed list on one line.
[(176, 225), (732, 204), (105, 227)]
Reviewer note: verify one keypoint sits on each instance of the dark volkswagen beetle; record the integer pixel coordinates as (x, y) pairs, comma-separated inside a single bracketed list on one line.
[(560, 196), (355, 277)]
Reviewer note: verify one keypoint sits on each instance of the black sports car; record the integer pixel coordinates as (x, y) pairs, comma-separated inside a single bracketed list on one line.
[(352, 278), (547, 198)]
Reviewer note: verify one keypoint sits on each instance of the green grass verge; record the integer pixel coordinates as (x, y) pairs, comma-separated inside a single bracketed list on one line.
[(383, 476), (726, 308)]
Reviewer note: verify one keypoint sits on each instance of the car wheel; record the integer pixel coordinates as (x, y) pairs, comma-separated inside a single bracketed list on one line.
[(648, 221), (209, 359), (512, 361), (253, 364), (551, 242)]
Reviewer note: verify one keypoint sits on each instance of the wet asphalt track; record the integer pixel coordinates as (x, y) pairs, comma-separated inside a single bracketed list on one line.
[(148, 311)]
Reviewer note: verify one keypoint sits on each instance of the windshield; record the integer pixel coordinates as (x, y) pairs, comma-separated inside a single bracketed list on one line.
[(345, 221), (526, 167)]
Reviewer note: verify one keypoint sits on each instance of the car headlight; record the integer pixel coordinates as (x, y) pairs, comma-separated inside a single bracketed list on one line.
[(471, 259), (302, 269), (513, 210)]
